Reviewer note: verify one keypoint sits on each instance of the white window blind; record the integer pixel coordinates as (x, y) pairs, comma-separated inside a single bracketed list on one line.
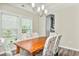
[(26, 24), (9, 25)]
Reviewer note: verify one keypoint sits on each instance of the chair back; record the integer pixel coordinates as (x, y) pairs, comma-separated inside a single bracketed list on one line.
[(56, 45), (51, 45)]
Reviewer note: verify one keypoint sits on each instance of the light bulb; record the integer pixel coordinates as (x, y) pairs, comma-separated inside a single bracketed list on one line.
[(45, 11), (33, 5), (42, 7), (38, 9)]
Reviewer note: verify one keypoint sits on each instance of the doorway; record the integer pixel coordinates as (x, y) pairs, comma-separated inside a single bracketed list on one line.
[(50, 24)]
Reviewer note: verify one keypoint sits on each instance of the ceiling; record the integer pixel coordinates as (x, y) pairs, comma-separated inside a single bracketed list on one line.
[(49, 6)]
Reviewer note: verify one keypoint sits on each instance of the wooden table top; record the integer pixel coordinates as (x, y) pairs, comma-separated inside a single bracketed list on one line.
[(32, 45)]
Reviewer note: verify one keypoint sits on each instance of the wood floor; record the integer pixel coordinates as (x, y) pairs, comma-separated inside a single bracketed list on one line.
[(62, 52), (67, 52)]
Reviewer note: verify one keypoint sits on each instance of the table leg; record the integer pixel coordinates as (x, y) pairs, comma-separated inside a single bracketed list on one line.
[(17, 50)]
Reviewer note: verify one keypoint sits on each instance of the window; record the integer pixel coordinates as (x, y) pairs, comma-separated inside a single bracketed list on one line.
[(9, 25), (26, 25), (12, 26), (9, 29)]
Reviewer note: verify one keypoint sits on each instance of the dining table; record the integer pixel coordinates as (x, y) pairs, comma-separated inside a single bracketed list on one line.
[(33, 45)]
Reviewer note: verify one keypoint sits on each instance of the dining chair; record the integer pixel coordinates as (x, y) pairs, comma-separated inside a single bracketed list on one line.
[(1, 46), (51, 45), (8, 49), (23, 53), (5, 46)]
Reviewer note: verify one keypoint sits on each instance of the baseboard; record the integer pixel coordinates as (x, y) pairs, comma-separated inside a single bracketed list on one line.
[(74, 49)]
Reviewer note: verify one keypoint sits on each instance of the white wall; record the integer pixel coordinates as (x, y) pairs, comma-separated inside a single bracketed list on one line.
[(42, 26), (0, 23), (35, 23), (67, 24)]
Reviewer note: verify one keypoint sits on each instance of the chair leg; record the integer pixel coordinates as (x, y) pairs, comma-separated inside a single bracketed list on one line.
[(56, 54)]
